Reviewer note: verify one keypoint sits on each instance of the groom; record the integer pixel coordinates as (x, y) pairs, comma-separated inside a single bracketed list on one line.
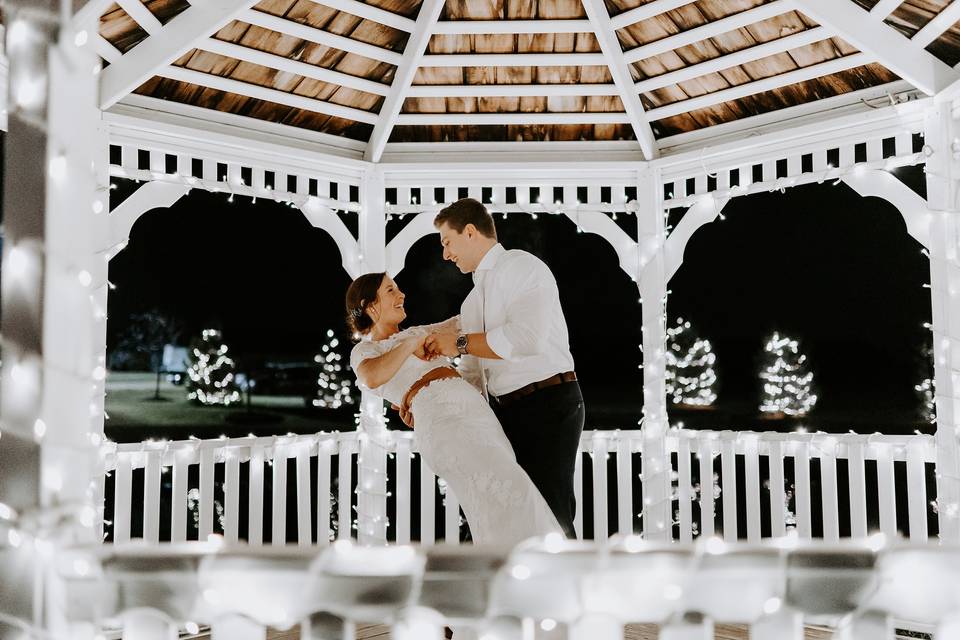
[(515, 347)]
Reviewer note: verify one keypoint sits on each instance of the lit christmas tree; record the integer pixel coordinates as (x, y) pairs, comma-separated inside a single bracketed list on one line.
[(333, 388), (786, 380), (690, 374), (926, 389), (211, 372)]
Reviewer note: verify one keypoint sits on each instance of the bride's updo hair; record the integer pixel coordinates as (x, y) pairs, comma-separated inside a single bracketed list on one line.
[(361, 293)]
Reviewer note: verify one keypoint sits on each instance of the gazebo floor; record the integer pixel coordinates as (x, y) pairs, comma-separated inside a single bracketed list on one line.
[(634, 632)]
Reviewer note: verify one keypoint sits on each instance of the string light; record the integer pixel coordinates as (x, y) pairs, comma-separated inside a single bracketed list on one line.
[(786, 380)]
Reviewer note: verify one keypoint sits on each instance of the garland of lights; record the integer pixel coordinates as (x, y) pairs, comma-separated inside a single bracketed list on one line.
[(211, 373), (786, 380), (690, 377), (333, 388)]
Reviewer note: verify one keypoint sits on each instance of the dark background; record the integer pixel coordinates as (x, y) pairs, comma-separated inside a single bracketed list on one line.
[(837, 271)]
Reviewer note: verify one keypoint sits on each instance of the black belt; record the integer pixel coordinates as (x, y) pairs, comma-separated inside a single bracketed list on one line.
[(513, 396)]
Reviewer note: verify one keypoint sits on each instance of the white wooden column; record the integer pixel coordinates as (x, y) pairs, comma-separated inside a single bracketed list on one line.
[(372, 476), (655, 462), (943, 171), (50, 368)]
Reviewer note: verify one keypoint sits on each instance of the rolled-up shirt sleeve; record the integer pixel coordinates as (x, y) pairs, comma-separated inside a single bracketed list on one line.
[(524, 333)]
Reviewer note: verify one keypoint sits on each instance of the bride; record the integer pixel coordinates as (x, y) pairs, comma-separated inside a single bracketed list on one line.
[(458, 434)]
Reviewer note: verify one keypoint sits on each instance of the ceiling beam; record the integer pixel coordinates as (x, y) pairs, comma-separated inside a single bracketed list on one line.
[(141, 15), (938, 26), (884, 8), (513, 60), (610, 46), (104, 49), (370, 12), (484, 27), (177, 37), (646, 11), (319, 36), (709, 30), (881, 42), (249, 90), (510, 90), (403, 78), (519, 118), (759, 86), (281, 63), (758, 52)]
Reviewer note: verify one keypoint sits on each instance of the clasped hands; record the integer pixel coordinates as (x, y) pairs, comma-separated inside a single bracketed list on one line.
[(429, 347)]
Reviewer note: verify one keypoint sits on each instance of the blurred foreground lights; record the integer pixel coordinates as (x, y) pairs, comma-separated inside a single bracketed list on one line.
[(772, 605), (877, 541), (192, 628), (715, 546), (14, 538), (81, 567), (215, 539), (672, 592), (520, 572), (633, 543), (553, 542), (39, 429), (87, 515), (548, 624), (85, 278), (81, 38)]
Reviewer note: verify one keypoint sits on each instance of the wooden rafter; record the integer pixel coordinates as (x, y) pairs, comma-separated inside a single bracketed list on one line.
[(265, 93), (319, 36), (511, 90), (613, 53), (520, 118), (881, 42), (646, 11), (370, 12), (177, 37), (758, 52), (513, 60), (936, 27), (709, 30), (759, 86), (296, 67), (491, 27), (416, 46), (141, 15)]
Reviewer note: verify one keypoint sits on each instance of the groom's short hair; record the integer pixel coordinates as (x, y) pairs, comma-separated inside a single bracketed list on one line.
[(467, 211)]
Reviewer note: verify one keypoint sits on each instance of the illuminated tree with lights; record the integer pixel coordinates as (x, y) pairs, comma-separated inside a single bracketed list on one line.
[(334, 389), (926, 390), (787, 380), (690, 375), (211, 373)]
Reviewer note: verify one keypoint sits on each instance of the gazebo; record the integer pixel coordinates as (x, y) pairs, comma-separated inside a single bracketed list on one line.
[(583, 109)]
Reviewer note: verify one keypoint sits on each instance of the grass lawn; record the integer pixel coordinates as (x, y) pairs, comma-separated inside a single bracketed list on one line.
[(135, 415)]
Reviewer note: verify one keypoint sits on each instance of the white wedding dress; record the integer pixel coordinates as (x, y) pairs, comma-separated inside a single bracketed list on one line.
[(461, 440)]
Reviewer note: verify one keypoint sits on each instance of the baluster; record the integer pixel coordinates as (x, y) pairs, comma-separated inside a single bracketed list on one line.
[(578, 492), (751, 466), (707, 495), (684, 488), (231, 496), (304, 531), (151, 497), (802, 488), (255, 529), (599, 459), (728, 469), (206, 493), (403, 491), (778, 499), (324, 451), (178, 508), (624, 484), (917, 490), (345, 493), (828, 489), (858, 489), (427, 504), (123, 487), (886, 490)]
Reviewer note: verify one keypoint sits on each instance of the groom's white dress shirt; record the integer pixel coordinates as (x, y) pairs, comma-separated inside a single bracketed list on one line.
[(516, 303)]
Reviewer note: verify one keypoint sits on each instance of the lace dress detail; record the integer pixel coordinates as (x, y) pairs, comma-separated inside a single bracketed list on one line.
[(461, 440)]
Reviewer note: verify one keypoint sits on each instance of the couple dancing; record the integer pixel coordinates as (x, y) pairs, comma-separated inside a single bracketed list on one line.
[(502, 429)]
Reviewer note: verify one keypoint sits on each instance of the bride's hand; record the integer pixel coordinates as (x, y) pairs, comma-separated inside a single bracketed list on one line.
[(418, 348)]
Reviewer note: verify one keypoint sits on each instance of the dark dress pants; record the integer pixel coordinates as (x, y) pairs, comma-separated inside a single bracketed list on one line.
[(544, 429)]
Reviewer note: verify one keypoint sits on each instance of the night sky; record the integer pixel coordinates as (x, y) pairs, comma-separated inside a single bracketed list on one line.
[(837, 271)]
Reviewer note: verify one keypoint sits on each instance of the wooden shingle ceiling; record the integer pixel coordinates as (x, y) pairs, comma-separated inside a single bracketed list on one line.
[(519, 70)]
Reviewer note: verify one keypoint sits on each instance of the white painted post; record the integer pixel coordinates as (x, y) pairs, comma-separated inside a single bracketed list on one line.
[(858, 489), (653, 290), (403, 484), (372, 459), (942, 173), (324, 450), (278, 527)]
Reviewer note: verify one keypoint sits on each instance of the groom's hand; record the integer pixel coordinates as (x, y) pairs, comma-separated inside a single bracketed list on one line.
[(405, 414), (441, 344)]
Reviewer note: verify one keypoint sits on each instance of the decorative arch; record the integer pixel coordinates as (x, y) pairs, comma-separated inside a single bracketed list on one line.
[(323, 217), (152, 195), (913, 208)]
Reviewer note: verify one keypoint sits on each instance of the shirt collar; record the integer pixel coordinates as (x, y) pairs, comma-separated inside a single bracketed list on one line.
[(489, 260)]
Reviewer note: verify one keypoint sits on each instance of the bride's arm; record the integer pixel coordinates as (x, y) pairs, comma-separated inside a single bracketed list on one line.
[(374, 372)]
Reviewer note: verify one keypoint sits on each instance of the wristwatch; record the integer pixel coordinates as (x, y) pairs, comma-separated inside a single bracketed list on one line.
[(462, 344)]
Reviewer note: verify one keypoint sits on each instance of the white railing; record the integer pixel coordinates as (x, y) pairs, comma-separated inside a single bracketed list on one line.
[(761, 485), (866, 589)]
